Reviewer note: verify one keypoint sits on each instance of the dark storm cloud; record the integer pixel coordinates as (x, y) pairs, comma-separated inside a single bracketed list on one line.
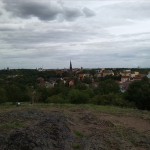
[(48, 10), (70, 14), (26, 10)]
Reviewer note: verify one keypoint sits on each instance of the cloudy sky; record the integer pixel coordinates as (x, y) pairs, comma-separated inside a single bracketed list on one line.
[(92, 33)]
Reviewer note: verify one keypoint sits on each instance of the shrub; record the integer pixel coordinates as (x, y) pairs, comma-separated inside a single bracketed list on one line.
[(81, 86), (108, 86), (3, 97), (89, 92), (109, 99), (77, 97), (55, 99), (139, 93), (16, 93)]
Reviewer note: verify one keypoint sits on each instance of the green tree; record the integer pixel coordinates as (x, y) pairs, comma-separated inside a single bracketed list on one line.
[(42, 94), (139, 93), (108, 86), (3, 97), (55, 99), (15, 93), (77, 97), (81, 86), (87, 80), (92, 72), (109, 99)]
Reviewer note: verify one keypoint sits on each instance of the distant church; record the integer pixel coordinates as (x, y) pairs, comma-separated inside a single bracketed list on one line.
[(70, 69)]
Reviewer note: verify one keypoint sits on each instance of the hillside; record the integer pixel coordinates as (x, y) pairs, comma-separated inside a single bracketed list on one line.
[(69, 127)]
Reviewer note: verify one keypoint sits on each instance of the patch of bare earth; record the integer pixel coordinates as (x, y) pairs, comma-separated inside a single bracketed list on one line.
[(107, 131), (138, 124), (70, 129)]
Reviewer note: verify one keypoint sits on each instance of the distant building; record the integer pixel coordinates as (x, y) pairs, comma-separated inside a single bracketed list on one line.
[(125, 79), (50, 85), (133, 75), (124, 86), (81, 76), (126, 73), (40, 69), (71, 83), (138, 77), (104, 73), (148, 76), (70, 66)]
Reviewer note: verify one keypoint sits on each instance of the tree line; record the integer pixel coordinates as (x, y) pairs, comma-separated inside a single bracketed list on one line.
[(24, 88)]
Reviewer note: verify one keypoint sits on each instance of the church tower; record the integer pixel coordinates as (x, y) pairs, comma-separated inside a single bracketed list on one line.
[(70, 66)]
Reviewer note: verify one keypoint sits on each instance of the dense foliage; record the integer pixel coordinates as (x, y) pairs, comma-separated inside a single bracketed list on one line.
[(139, 93), (23, 86)]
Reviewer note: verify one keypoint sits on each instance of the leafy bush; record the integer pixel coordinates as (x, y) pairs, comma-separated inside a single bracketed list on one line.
[(81, 86), (41, 94), (109, 99), (139, 93), (89, 92), (16, 93), (77, 97), (3, 97), (87, 80), (55, 99), (108, 86)]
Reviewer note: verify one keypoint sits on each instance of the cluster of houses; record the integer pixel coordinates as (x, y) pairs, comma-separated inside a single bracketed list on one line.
[(126, 77), (104, 73)]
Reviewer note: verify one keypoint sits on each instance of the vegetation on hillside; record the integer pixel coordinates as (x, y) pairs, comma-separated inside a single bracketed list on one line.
[(22, 86)]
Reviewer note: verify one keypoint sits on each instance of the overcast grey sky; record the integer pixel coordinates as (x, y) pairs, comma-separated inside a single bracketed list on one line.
[(92, 33)]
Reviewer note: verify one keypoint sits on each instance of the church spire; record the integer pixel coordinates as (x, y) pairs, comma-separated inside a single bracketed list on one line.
[(70, 66)]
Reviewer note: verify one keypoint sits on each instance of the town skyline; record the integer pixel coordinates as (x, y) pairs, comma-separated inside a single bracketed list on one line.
[(71, 65)]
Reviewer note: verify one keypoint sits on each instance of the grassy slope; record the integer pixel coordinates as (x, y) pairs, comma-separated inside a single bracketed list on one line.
[(95, 108)]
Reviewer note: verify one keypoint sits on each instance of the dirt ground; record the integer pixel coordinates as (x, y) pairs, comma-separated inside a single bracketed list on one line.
[(72, 128)]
